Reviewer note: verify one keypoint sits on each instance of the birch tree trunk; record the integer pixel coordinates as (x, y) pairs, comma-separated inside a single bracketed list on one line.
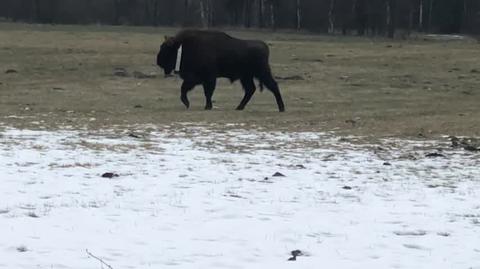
[(391, 18), (430, 15), (272, 15), (331, 20), (203, 13), (411, 19), (420, 16), (261, 14), (299, 14)]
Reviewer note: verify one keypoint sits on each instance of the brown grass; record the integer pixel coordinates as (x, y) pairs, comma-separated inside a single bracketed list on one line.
[(355, 86)]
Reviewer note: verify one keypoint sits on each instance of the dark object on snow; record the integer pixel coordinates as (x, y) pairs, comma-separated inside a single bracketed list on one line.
[(295, 254), (32, 215), (434, 155), (387, 164), (468, 144), (134, 135), (278, 174), (208, 55), (110, 175), (352, 122), (347, 188), (471, 148), (22, 249)]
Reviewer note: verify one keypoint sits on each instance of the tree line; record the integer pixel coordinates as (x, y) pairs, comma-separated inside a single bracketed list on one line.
[(354, 17)]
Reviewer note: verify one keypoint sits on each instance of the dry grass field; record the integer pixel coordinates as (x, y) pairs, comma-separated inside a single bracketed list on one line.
[(56, 76)]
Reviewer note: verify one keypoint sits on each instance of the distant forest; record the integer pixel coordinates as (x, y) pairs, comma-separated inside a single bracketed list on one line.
[(348, 17)]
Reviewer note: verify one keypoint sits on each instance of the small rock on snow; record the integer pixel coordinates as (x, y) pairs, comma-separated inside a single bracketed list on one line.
[(110, 175), (434, 155)]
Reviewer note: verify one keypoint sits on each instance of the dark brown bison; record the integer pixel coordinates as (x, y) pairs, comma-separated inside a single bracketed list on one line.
[(208, 55)]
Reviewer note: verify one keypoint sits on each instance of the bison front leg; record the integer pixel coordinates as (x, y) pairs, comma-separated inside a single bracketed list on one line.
[(209, 88), (186, 87), (249, 87)]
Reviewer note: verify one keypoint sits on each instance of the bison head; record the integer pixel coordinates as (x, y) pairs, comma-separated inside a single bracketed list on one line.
[(167, 56)]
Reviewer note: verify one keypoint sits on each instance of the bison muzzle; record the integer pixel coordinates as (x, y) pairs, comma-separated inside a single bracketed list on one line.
[(208, 55)]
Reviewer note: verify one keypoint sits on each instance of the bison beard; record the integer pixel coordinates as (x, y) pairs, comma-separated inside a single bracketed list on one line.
[(208, 55)]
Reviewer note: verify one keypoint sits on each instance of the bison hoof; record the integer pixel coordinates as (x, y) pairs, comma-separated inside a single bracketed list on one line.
[(186, 103), (240, 108)]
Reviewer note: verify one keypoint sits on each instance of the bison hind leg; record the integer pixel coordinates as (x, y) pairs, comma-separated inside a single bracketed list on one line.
[(260, 85), (272, 85), (249, 87)]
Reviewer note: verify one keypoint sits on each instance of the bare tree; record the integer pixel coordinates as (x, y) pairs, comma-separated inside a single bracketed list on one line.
[(233, 7), (116, 9), (36, 4), (430, 14), (331, 19), (273, 13), (186, 8), (375, 17), (361, 16), (298, 14), (247, 13), (391, 17), (204, 13), (52, 11), (261, 13), (420, 15)]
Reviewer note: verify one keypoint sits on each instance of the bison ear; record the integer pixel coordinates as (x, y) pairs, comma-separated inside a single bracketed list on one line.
[(166, 38)]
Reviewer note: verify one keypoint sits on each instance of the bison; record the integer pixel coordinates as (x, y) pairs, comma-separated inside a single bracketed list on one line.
[(208, 55)]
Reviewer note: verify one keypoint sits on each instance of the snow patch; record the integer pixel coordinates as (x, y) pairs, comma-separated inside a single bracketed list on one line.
[(197, 197)]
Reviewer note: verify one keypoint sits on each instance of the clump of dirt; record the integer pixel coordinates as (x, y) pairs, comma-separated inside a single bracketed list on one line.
[(110, 175), (469, 144), (11, 71)]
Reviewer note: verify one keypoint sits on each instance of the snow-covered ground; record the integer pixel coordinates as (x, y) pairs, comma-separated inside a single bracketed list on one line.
[(197, 197)]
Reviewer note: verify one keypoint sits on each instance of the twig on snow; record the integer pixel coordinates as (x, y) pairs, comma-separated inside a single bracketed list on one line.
[(97, 258)]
